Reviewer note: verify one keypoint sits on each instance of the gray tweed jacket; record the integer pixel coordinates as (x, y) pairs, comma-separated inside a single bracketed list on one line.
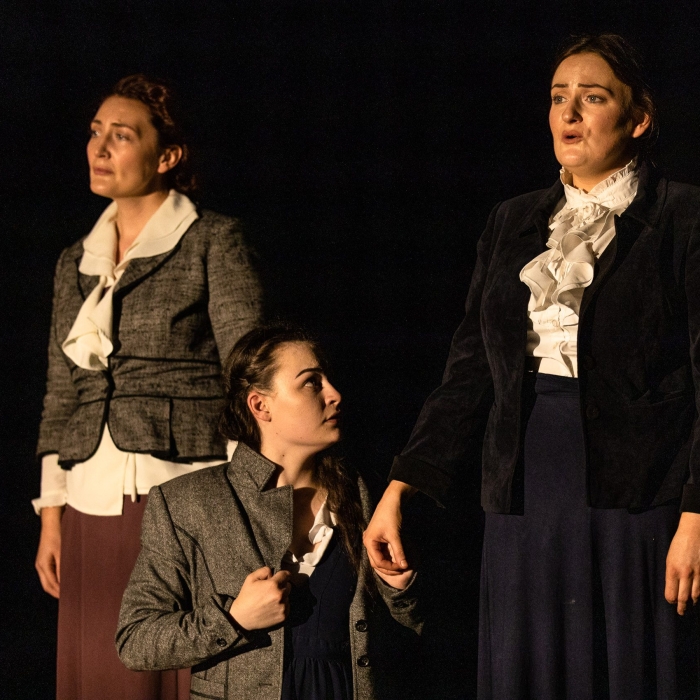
[(176, 315), (203, 533)]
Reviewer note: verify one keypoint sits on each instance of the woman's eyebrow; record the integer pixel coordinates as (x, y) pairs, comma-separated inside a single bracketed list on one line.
[(310, 369), (583, 85), (117, 124)]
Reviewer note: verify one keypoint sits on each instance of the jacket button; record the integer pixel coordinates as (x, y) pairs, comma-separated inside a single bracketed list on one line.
[(592, 411), (401, 604), (363, 661), (587, 362), (221, 642), (361, 626)]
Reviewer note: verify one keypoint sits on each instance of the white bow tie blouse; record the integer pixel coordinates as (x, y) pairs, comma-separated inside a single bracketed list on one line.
[(97, 486), (582, 227)]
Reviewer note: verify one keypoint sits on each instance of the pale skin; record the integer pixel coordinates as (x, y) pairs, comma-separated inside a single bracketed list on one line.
[(297, 418), (129, 165), (594, 127)]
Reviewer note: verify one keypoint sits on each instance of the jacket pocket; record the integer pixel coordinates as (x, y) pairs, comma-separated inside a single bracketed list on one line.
[(203, 688), (194, 428), (140, 424)]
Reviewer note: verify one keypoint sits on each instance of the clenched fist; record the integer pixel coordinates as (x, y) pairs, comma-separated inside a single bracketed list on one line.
[(263, 600)]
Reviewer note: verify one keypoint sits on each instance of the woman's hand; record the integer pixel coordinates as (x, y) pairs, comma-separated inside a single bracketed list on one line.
[(398, 581), (48, 556), (382, 538), (263, 600), (683, 563)]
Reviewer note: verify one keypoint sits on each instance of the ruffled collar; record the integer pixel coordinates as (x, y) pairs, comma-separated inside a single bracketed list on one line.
[(583, 208), (160, 234), (89, 342), (580, 230), (320, 536)]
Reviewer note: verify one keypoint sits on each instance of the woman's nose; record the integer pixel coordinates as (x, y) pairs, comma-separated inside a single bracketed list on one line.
[(571, 112), (99, 147), (332, 394)]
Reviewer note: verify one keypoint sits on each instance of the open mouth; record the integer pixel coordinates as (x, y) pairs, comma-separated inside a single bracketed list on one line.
[(571, 137)]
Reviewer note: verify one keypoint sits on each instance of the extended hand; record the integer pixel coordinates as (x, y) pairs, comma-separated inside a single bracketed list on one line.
[(683, 563), (382, 538), (48, 556), (263, 600)]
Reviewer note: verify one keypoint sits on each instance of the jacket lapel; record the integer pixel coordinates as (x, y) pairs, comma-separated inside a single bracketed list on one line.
[(269, 511), (642, 213), (138, 268)]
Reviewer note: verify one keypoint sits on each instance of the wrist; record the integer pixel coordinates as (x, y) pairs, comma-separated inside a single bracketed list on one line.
[(400, 490)]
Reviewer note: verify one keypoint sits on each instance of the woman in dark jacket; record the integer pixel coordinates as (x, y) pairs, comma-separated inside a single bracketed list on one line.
[(144, 308), (253, 572), (582, 333)]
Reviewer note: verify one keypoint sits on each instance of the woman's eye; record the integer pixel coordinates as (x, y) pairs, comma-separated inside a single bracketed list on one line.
[(92, 133), (557, 99), (594, 98), (313, 382), (121, 137)]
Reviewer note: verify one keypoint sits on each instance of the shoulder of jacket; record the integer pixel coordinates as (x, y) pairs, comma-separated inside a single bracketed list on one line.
[(523, 201), (201, 482), (73, 251), (213, 223), (683, 191)]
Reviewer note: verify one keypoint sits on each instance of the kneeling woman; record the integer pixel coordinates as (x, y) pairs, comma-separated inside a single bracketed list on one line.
[(253, 571)]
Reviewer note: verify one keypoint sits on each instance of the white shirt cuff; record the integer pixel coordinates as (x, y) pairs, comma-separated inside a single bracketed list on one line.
[(53, 484)]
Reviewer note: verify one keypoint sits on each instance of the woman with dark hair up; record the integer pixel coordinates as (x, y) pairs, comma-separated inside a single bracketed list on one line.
[(144, 308), (253, 572), (581, 338)]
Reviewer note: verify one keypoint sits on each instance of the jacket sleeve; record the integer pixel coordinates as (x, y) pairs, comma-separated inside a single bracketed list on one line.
[(404, 605), (691, 492), (439, 440), (61, 397), (159, 625), (235, 294)]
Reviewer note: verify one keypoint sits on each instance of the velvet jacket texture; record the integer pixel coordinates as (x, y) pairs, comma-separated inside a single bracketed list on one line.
[(638, 351), (203, 533), (176, 316)]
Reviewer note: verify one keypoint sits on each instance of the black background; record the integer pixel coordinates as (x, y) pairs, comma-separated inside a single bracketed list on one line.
[(363, 144)]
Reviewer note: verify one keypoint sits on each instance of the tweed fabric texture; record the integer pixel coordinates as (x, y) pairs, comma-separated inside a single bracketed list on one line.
[(638, 359), (176, 316), (203, 533)]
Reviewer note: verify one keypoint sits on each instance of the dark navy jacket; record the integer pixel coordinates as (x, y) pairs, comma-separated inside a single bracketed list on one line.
[(638, 350)]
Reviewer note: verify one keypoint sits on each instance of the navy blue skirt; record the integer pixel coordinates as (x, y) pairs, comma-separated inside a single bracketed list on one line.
[(572, 597)]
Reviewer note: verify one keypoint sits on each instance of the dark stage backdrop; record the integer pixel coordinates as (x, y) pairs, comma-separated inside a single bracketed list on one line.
[(363, 144)]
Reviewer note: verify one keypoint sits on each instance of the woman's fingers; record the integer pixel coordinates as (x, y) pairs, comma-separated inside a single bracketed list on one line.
[(684, 587), (683, 563), (47, 567), (382, 552)]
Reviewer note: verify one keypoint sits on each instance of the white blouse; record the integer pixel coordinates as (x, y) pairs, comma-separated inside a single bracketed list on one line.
[(320, 534), (582, 226), (97, 486)]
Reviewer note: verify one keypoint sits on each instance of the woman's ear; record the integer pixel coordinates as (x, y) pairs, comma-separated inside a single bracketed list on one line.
[(641, 124), (258, 405), (169, 158)]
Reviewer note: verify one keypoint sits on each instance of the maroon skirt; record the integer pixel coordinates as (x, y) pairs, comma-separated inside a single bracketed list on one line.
[(97, 556)]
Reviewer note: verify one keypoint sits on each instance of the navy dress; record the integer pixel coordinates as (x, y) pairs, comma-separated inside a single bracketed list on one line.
[(572, 597), (318, 664)]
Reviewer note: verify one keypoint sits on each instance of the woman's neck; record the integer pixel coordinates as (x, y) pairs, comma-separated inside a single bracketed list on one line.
[(295, 468), (133, 213)]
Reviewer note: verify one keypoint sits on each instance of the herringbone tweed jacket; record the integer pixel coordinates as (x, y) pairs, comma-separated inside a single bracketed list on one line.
[(176, 316), (203, 533)]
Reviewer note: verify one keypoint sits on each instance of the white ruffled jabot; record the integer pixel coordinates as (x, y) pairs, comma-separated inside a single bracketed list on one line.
[(320, 535), (89, 342), (580, 232)]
